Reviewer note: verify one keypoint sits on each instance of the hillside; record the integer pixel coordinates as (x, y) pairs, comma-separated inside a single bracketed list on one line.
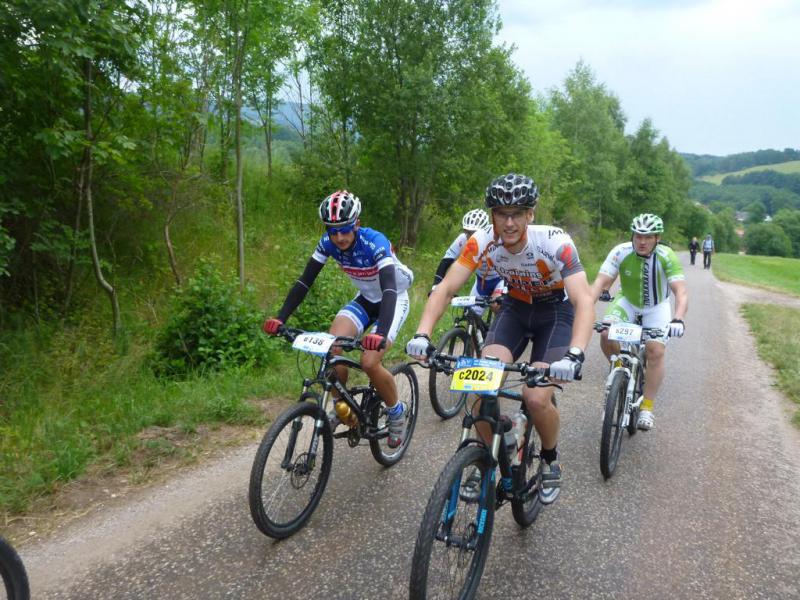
[(784, 167)]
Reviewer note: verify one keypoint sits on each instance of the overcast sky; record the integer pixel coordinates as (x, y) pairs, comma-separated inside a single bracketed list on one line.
[(715, 76)]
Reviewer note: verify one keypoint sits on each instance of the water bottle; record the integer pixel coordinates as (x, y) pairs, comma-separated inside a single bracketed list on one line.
[(518, 425), (346, 414)]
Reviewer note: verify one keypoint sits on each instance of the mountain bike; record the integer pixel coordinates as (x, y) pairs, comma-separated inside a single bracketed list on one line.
[(453, 540), (293, 462), (464, 339), (13, 571), (624, 387)]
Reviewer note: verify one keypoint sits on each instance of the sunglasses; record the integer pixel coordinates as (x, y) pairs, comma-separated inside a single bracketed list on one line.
[(341, 230)]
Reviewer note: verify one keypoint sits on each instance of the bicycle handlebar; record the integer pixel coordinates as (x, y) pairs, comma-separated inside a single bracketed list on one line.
[(344, 342), (534, 376)]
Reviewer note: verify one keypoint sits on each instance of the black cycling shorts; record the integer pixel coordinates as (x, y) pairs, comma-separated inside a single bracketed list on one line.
[(547, 324)]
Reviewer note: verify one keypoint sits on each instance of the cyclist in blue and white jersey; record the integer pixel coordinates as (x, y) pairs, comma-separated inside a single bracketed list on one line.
[(487, 282), (366, 256)]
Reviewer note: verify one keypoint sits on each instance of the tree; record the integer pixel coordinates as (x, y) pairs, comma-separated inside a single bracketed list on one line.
[(756, 212), (789, 221), (767, 239), (591, 120)]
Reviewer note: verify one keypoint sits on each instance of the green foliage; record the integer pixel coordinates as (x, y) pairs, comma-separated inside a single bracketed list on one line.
[(767, 239), (707, 164), (739, 196), (211, 326), (776, 330), (789, 221), (756, 212)]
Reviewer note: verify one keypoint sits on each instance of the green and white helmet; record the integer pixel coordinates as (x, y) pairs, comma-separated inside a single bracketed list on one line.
[(647, 224)]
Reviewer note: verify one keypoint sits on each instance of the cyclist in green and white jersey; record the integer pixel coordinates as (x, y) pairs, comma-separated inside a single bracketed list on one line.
[(649, 274)]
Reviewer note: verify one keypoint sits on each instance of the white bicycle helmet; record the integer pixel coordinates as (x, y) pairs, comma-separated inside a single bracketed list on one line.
[(475, 219), (647, 224)]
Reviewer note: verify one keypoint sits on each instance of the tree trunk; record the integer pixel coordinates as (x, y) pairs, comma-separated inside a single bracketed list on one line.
[(269, 134), (73, 251), (87, 192), (237, 84)]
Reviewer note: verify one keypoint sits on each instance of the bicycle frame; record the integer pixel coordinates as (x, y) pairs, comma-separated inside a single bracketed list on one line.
[(326, 379), (632, 359), (490, 414)]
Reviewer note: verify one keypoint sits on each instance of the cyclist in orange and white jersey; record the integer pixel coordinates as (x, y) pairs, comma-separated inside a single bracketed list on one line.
[(548, 302)]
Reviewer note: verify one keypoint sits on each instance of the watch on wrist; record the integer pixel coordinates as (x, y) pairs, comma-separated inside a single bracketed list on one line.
[(576, 353)]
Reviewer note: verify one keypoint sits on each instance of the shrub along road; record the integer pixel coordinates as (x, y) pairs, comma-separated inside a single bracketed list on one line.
[(703, 506)]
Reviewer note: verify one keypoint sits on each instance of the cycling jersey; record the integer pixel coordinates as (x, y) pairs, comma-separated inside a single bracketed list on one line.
[(644, 280), (370, 252), (534, 274), (484, 271)]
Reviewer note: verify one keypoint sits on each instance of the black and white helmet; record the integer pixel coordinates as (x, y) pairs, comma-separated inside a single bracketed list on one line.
[(475, 219), (512, 190), (340, 208)]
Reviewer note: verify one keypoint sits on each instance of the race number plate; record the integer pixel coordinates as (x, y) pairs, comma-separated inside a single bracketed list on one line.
[(463, 301), (477, 375), (314, 343), (625, 332)]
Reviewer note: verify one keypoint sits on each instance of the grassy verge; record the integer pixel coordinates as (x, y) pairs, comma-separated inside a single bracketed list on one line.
[(769, 272), (777, 331)]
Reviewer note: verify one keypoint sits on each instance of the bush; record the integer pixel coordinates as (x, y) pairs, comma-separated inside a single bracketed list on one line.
[(767, 239), (211, 326)]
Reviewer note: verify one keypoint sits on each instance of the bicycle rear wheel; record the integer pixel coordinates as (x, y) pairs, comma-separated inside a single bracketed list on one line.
[(445, 403), (527, 478), (408, 392), (453, 540), (15, 579), (613, 420), (291, 469)]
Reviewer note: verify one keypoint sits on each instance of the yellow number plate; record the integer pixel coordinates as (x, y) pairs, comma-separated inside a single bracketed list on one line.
[(477, 375)]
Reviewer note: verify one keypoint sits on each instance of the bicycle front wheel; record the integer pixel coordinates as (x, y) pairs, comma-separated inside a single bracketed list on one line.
[(613, 423), (525, 506), (15, 579), (445, 403), (408, 393), (291, 469), (453, 540)]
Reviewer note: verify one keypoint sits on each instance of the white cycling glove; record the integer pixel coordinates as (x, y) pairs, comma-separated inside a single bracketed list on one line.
[(569, 367), (676, 328), (420, 346)]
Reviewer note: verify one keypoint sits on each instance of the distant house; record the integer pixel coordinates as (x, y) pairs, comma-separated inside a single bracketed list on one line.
[(741, 215)]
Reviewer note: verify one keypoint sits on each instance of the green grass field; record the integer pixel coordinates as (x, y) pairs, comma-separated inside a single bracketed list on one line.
[(792, 166), (769, 272), (777, 332)]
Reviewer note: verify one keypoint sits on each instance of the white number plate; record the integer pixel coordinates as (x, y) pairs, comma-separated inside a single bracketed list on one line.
[(464, 301), (625, 332), (314, 343)]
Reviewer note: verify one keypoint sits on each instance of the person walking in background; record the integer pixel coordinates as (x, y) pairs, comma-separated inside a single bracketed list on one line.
[(694, 246), (708, 250)]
